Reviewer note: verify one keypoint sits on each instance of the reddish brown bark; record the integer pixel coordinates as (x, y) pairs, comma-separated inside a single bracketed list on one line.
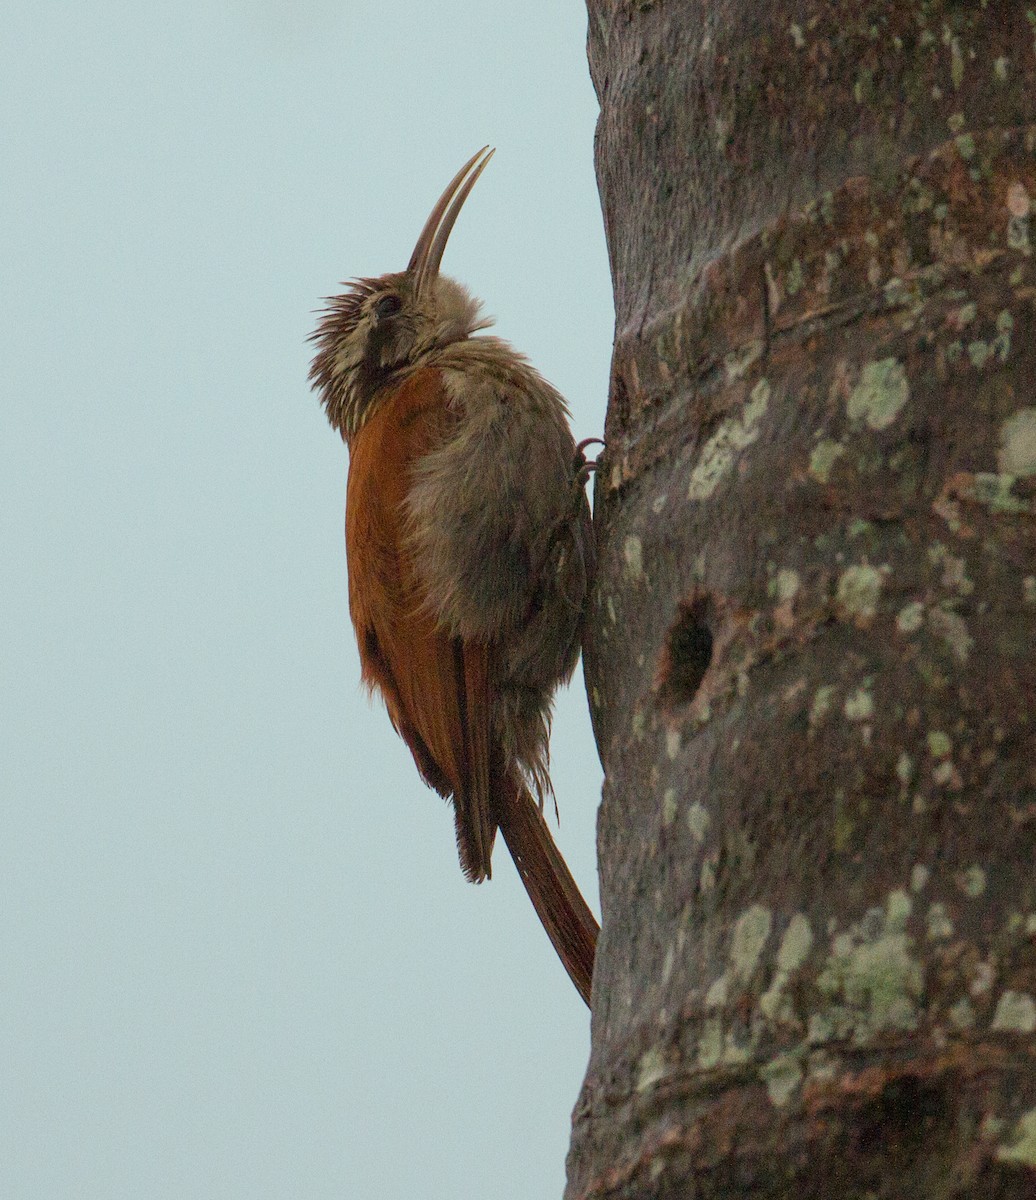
[(811, 661)]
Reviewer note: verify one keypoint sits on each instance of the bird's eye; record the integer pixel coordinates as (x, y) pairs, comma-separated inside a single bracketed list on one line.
[(387, 306)]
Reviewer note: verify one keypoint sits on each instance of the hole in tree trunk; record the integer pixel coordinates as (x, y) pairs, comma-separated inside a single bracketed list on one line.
[(688, 651)]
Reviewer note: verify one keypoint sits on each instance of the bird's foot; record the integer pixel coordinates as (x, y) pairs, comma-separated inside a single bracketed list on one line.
[(583, 466)]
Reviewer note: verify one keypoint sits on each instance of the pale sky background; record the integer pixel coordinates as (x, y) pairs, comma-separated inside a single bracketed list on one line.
[(237, 955)]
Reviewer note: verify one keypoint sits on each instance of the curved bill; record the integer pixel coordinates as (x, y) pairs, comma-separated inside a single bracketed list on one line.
[(427, 255)]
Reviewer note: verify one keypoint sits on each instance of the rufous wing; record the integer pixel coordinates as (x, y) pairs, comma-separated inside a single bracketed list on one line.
[(435, 686)]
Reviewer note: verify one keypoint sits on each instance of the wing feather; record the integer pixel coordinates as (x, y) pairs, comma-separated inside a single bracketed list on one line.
[(435, 686)]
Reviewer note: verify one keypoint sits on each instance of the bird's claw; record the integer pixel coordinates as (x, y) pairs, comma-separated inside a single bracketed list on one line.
[(583, 466)]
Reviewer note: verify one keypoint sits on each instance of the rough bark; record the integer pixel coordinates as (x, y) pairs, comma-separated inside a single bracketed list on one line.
[(811, 662)]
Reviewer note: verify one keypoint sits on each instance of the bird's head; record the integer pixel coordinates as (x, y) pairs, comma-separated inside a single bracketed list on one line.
[(381, 327)]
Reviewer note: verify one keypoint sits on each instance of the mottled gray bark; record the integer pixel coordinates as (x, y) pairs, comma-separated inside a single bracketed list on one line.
[(811, 661)]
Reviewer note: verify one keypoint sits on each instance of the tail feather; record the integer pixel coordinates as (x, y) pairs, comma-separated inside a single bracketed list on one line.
[(569, 923)]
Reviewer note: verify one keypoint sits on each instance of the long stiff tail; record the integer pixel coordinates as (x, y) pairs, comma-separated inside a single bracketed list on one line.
[(569, 923)]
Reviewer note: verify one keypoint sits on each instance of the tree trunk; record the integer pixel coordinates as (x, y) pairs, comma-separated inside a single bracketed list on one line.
[(812, 661)]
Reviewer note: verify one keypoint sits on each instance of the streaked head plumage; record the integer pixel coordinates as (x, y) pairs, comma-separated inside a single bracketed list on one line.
[(382, 327)]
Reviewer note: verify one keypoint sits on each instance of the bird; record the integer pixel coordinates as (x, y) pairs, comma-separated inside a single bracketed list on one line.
[(469, 551)]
